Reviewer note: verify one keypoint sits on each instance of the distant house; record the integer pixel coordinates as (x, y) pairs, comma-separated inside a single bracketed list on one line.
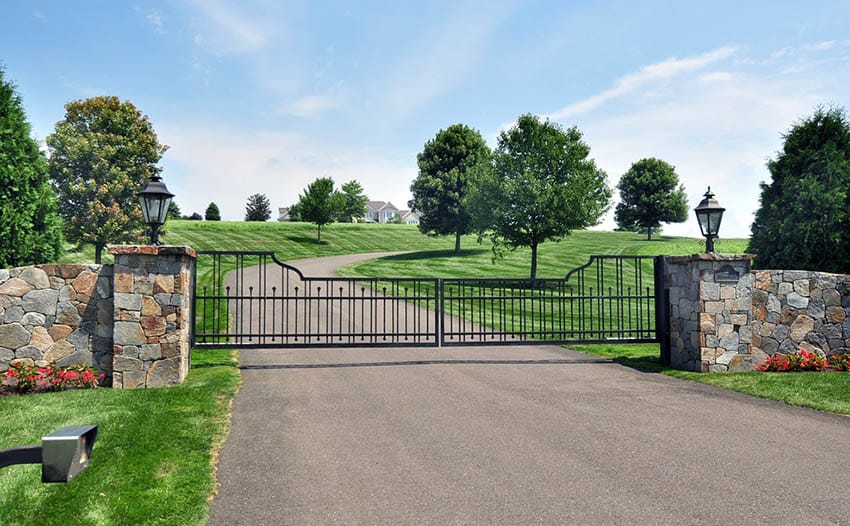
[(409, 217), (283, 213), (380, 212)]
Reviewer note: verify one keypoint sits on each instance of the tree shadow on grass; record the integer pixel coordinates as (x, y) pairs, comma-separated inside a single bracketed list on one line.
[(430, 254), (303, 240)]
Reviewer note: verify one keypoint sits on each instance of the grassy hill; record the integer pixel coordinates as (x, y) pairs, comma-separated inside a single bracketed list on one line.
[(298, 240)]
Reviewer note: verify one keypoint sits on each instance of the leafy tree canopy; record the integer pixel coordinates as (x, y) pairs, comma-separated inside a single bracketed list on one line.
[(803, 221), (101, 154), (447, 165), (258, 208), (319, 204), (212, 213), (650, 194), (30, 230), (353, 203), (174, 211), (543, 185)]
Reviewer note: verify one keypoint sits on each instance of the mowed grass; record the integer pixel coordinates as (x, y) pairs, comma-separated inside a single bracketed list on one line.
[(152, 463)]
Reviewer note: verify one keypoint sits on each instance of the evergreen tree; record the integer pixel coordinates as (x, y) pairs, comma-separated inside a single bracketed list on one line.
[(258, 208), (174, 211), (30, 229), (212, 213), (353, 202), (803, 221)]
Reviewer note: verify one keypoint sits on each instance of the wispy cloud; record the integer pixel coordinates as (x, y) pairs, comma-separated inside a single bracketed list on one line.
[(232, 29), (156, 20), (627, 84), (311, 106)]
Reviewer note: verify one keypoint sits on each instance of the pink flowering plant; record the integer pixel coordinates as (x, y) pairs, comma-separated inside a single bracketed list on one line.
[(805, 361), (30, 378)]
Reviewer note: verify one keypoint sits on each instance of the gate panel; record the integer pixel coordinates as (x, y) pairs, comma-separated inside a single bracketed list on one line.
[(250, 299), (611, 298)]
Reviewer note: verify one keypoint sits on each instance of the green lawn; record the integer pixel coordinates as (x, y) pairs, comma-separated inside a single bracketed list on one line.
[(152, 462)]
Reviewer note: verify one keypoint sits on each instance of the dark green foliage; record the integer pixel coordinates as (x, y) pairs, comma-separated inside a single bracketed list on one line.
[(101, 154), (650, 194), (212, 213), (319, 204), (353, 202), (294, 213), (258, 208), (30, 229), (447, 164), (174, 211), (804, 218), (541, 187)]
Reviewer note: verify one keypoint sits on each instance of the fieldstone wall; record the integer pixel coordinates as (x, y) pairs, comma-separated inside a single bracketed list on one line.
[(153, 297), (57, 315), (796, 310), (130, 320), (725, 317)]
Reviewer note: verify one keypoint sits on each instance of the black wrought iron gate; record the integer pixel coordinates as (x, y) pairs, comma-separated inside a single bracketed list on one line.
[(251, 299)]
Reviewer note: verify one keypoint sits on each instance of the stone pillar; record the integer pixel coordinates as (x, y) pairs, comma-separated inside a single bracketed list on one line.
[(711, 313), (153, 299)]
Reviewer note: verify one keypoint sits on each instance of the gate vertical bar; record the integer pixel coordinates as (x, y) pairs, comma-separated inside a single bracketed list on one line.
[(662, 306)]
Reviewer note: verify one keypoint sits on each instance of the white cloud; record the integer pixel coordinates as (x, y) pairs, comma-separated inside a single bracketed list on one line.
[(630, 83), (156, 19), (212, 164), (312, 106), (231, 29)]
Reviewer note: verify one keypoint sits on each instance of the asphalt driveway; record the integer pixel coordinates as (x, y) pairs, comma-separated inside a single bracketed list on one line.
[(516, 435)]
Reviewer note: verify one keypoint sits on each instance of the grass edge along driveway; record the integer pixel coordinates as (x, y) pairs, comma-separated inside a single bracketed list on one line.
[(154, 458)]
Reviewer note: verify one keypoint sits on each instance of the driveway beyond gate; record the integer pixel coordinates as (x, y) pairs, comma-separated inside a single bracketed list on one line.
[(515, 435)]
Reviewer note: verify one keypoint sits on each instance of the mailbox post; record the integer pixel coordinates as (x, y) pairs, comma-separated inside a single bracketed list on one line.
[(62, 454)]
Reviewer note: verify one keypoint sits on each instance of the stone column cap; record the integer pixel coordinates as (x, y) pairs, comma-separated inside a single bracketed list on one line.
[(712, 257), (152, 250)]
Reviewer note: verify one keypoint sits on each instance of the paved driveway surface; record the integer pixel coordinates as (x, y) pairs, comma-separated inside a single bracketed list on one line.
[(523, 435), (515, 435)]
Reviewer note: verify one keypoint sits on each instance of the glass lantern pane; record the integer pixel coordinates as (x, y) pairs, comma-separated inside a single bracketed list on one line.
[(703, 219), (715, 216)]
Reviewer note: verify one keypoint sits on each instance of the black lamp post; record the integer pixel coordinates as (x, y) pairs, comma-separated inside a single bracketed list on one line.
[(155, 199), (709, 214)]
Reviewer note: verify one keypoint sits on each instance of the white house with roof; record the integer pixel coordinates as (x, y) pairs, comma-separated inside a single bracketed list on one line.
[(380, 212), (386, 212)]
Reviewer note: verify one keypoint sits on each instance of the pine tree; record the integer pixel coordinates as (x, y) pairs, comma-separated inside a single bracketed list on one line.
[(212, 213), (258, 208), (30, 229)]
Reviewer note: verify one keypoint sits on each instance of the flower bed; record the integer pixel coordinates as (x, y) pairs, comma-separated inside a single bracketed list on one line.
[(805, 361), (21, 378)]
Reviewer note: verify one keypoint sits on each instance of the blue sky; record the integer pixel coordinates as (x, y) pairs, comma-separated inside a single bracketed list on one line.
[(266, 96)]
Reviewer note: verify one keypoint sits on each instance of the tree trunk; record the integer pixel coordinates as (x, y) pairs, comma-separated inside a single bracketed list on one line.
[(457, 243), (318, 234), (533, 263), (649, 233), (98, 252)]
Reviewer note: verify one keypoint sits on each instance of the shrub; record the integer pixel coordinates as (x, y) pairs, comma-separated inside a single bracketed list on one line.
[(30, 378), (840, 362)]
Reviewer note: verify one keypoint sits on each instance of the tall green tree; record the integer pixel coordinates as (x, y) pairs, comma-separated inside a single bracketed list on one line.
[(319, 204), (212, 213), (258, 208), (174, 211), (803, 221), (447, 165), (542, 186), (650, 194), (353, 204), (30, 229), (101, 154)]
